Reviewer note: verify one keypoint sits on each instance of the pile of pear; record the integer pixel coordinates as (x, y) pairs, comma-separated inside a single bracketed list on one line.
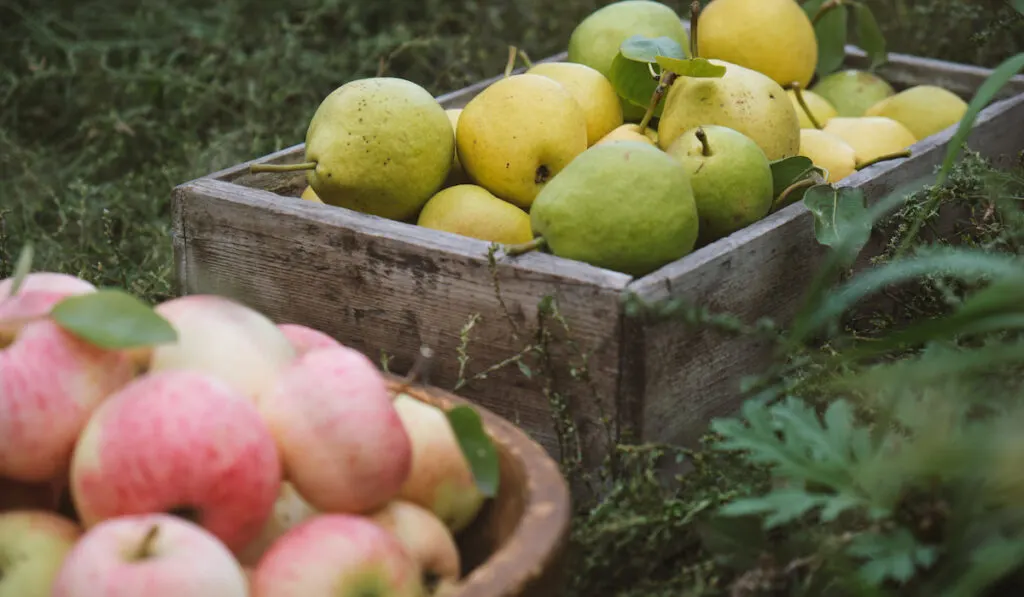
[(555, 159)]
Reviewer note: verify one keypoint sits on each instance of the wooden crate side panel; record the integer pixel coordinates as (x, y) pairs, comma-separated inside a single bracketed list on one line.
[(694, 375), (904, 70), (378, 285)]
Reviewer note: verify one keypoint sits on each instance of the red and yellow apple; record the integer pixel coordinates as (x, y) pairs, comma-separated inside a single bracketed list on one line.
[(289, 511), (304, 339), (425, 537)]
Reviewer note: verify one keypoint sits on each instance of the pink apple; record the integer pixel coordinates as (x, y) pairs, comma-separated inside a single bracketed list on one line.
[(152, 555), (343, 445), (19, 495), (183, 442), (65, 284), (289, 511), (50, 382), (305, 339), (337, 554), (224, 338), (33, 546)]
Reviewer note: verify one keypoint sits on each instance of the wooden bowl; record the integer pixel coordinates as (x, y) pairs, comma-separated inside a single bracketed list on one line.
[(516, 544)]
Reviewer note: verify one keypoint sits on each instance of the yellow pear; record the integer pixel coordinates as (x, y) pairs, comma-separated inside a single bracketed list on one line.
[(310, 195), (923, 109), (851, 92), (828, 151), (871, 137), (742, 99), (773, 37), (457, 175), (820, 107), (425, 537), (592, 90), (518, 133), (471, 210), (630, 132)]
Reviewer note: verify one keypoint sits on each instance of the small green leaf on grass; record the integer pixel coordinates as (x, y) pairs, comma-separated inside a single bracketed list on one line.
[(869, 35), (639, 48), (22, 268), (838, 212), (831, 31), (692, 67), (477, 447), (113, 319)]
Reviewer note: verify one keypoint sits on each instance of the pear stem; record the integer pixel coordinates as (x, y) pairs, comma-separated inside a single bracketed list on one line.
[(796, 87), (513, 52), (526, 59), (145, 549), (533, 245), (885, 158), (255, 168), (825, 8), (796, 186), (694, 17), (703, 138), (666, 80)]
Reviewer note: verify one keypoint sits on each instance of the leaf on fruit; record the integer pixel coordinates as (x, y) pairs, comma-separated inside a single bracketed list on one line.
[(812, 7), (692, 67), (831, 31), (869, 35), (22, 268), (113, 319), (789, 170), (838, 212), (639, 48), (477, 447), (632, 80)]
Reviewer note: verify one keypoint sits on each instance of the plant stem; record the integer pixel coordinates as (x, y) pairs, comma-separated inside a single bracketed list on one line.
[(513, 52), (824, 10), (796, 186), (145, 549), (255, 168), (533, 245), (418, 372), (667, 78), (796, 87), (703, 138), (694, 17), (885, 158), (526, 59)]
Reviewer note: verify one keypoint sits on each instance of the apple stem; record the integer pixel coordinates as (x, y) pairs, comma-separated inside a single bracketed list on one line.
[(418, 371), (146, 547), (256, 168), (526, 59), (694, 17), (533, 245), (796, 87), (825, 8), (703, 138), (666, 79), (885, 158), (513, 52)]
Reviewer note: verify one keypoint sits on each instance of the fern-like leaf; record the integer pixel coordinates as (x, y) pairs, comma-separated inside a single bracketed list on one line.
[(894, 556)]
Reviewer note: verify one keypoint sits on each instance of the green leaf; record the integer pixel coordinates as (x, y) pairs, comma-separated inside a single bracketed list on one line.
[(640, 48), (477, 447), (22, 268), (985, 94), (788, 504), (869, 35), (1018, 5), (839, 214), (692, 67), (812, 7), (113, 319), (633, 81), (894, 556), (789, 170), (831, 31)]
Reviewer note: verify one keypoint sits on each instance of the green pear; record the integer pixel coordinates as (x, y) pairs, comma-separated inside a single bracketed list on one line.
[(472, 211), (626, 206), (923, 109), (381, 146), (742, 99), (518, 133), (596, 39), (731, 179), (851, 92)]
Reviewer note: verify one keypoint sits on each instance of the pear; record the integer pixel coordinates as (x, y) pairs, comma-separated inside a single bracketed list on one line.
[(381, 146), (774, 37), (631, 132), (871, 137), (742, 99), (596, 39), (851, 92), (472, 211), (310, 195), (591, 89), (923, 109), (820, 107), (828, 151), (456, 175), (626, 206), (731, 179), (518, 133)]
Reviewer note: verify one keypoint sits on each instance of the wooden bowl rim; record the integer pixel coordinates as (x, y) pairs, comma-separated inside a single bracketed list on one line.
[(542, 532)]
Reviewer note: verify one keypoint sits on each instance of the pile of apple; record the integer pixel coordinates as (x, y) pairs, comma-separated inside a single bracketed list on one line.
[(243, 458)]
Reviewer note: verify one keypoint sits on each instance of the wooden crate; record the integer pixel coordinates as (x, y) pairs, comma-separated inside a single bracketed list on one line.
[(389, 287)]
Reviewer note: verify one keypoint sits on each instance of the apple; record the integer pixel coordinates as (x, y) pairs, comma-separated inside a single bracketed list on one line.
[(304, 339), (181, 442), (50, 383), (425, 537), (337, 554), (289, 510), (441, 479), (156, 555), (37, 295), (341, 441), (65, 284), (221, 337), (33, 546), (19, 495)]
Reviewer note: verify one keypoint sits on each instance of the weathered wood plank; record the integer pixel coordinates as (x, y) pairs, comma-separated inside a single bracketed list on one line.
[(380, 285)]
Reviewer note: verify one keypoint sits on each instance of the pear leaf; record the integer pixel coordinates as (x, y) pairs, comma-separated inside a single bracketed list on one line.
[(838, 212), (477, 447), (812, 7), (113, 319), (22, 268), (869, 35), (789, 170), (639, 48), (633, 81), (691, 67), (831, 31)]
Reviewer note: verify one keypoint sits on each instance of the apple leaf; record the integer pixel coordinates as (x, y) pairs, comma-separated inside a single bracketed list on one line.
[(691, 67), (869, 35), (633, 81), (22, 268), (477, 447), (831, 31), (113, 319), (789, 170), (639, 48), (838, 212)]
